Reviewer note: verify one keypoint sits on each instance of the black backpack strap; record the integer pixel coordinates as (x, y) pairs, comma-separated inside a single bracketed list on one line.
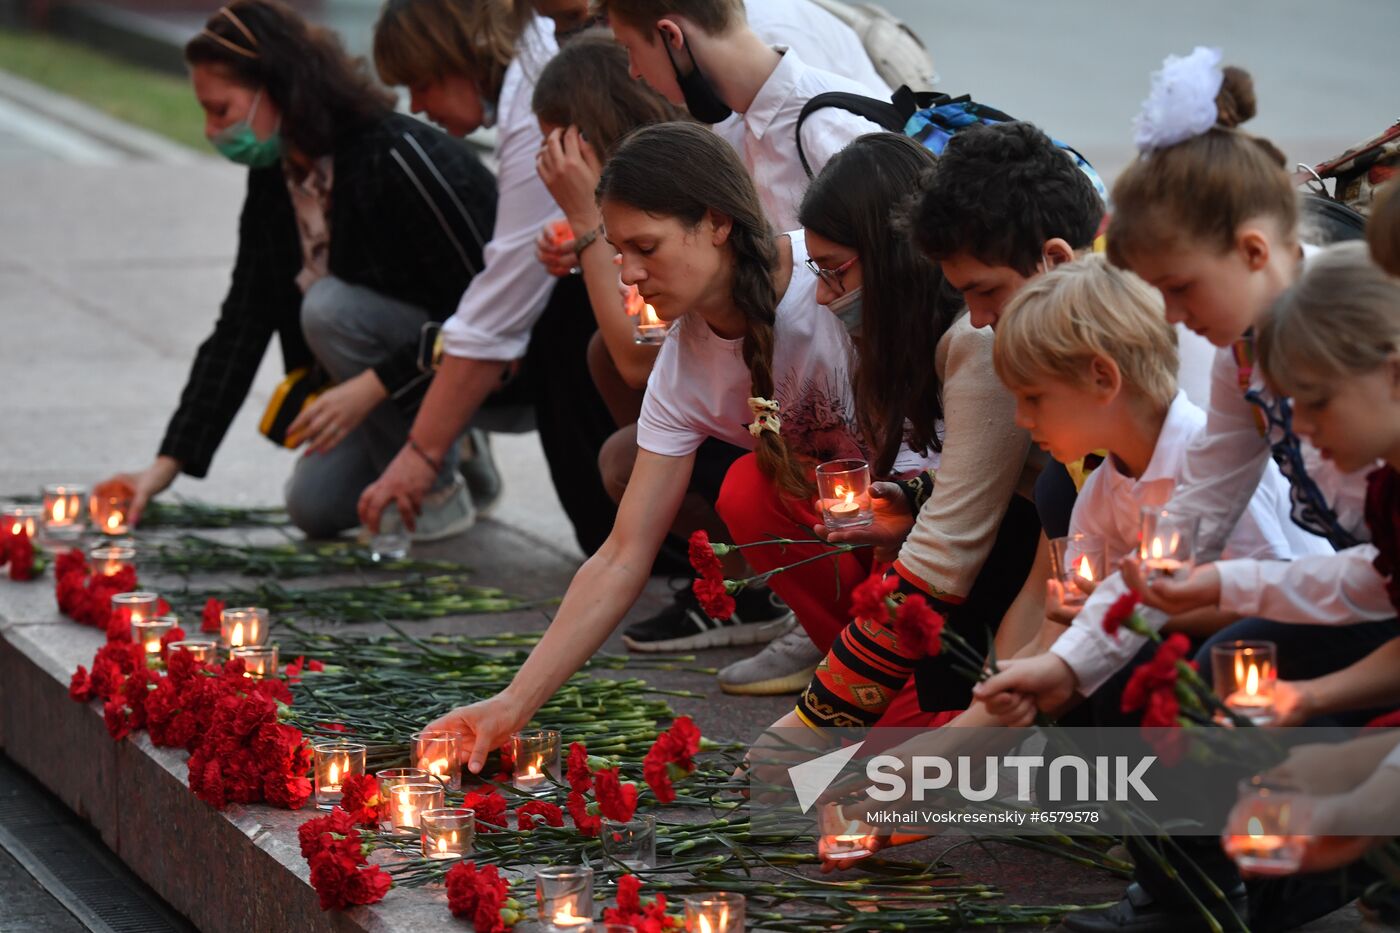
[(891, 114)]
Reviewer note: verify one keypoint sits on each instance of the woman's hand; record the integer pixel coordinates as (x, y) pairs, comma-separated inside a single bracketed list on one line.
[(143, 486), (1294, 703), (555, 251), (336, 412), (484, 727), (570, 169), (1200, 589), (893, 522)]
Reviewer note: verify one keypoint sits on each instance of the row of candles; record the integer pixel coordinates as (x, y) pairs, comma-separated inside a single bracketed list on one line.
[(67, 509)]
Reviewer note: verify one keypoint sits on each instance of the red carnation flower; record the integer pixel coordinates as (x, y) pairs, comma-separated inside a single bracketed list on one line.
[(359, 796), (117, 719), (80, 687), (671, 756), (212, 616), (1121, 611), (481, 894), (551, 814), (23, 565), (713, 598), (490, 809), (585, 822), (702, 557), (616, 800), (919, 628), (869, 600), (579, 776)]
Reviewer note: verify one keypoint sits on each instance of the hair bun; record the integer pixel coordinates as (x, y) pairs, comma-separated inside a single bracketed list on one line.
[(1236, 102)]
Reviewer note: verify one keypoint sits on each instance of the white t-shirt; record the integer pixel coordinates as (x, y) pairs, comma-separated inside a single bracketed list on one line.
[(700, 386), (770, 134), (501, 305), (1109, 507), (819, 37)]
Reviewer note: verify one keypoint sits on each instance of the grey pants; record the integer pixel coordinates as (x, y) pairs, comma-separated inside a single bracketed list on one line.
[(350, 328)]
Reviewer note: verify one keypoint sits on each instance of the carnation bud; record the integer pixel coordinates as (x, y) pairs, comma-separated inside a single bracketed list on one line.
[(721, 549)]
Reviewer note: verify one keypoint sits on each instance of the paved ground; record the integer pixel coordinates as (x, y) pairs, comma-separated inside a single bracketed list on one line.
[(111, 269)]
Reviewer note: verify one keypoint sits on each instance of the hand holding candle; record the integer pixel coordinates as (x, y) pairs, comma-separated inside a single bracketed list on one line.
[(1245, 674), (1167, 542)]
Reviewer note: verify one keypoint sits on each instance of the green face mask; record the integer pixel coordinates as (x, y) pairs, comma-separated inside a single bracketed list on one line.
[(238, 143)]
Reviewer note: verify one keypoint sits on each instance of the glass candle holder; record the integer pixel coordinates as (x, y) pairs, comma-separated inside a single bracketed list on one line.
[(22, 519), (109, 508), (392, 541), (1167, 542), (841, 837), (448, 832), (843, 486), (149, 632), (134, 607), (203, 652), (565, 895), (406, 803), (1267, 831), (647, 328), (110, 560), (722, 912), (259, 661), (631, 842), (1077, 557), (245, 625), (536, 756), (65, 508), (390, 778), (333, 763), (1245, 675), (438, 753)]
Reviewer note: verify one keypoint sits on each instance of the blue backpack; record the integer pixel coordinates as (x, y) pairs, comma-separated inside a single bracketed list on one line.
[(928, 117)]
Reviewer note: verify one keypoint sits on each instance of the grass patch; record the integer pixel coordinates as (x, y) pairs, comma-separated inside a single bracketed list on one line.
[(150, 99)]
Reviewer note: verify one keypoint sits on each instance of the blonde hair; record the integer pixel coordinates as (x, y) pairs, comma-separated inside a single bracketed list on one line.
[(1200, 191), (1383, 227), (1058, 322), (422, 40), (1341, 319)]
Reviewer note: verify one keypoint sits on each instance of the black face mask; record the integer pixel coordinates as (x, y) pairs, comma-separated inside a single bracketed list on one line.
[(700, 98)]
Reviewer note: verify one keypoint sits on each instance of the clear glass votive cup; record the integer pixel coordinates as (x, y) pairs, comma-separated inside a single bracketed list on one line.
[(388, 779), (109, 508), (134, 607), (203, 652), (65, 510), (1267, 830), (243, 625), (536, 756), (648, 329), (392, 541), (259, 661), (1167, 542), (448, 832), (840, 837), (631, 842), (438, 752), (25, 519), (843, 491), (721, 912), (333, 762), (407, 802), (1245, 676), (565, 894), (149, 632), (1075, 557), (108, 560)]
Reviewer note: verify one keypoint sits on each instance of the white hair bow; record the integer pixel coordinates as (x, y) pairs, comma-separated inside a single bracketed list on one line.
[(1181, 103), (765, 416)]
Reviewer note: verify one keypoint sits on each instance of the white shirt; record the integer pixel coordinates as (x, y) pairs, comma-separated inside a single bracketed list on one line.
[(819, 37), (770, 134), (700, 386), (1195, 362), (1221, 470), (1109, 507), (1339, 589), (501, 305)]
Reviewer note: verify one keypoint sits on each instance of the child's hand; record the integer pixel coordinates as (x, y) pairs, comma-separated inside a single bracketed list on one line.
[(892, 524), (1045, 679), (1294, 703), (1201, 589), (1055, 608)]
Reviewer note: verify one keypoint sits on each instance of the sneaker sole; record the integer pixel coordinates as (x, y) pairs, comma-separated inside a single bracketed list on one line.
[(788, 683), (756, 633)]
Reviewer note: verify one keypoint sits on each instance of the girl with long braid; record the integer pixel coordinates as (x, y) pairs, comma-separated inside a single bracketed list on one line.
[(752, 359)]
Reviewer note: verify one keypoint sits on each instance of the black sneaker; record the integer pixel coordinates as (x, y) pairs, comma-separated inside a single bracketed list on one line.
[(759, 616)]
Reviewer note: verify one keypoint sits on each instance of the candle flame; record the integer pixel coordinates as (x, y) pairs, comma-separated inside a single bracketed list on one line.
[(114, 521), (153, 646), (1251, 680), (565, 914), (1176, 543), (438, 768), (1085, 570), (236, 638), (334, 776), (721, 924), (60, 509), (442, 844), (850, 497), (649, 315), (1156, 548)]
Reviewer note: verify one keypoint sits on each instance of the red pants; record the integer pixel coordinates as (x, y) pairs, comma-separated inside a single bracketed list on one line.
[(820, 594)]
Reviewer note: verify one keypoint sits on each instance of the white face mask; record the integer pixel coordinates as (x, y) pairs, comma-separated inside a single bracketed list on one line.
[(847, 309)]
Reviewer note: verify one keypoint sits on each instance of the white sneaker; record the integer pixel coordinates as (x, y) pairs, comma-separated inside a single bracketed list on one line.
[(445, 513), (786, 665)]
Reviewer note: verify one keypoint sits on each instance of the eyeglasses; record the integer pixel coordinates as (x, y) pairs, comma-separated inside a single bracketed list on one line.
[(831, 277)]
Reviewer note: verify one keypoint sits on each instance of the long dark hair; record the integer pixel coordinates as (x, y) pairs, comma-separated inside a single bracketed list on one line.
[(906, 305), (587, 84), (320, 90), (685, 171)]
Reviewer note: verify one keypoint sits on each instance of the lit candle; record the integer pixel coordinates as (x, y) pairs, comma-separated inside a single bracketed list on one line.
[(390, 779), (536, 756), (565, 917), (332, 763), (63, 509), (1245, 675), (841, 837), (110, 560), (109, 506), (843, 491), (1167, 542), (845, 505), (134, 607), (408, 803), (149, 632), (649, 329), (244, 625), (438, 752), (1267, 831), (722, 912), (201, 651), (259, 661), (565, 896), (22, 519), (448, 832)]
